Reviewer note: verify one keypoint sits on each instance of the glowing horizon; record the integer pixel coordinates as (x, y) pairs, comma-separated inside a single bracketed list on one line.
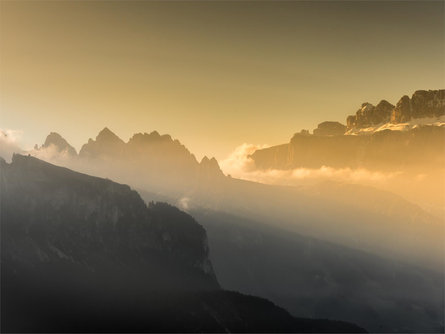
[(213, 75)]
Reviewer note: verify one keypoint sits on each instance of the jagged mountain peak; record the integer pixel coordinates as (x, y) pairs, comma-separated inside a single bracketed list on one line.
[(56, 140), (107, 135), (107, 142), (210, 167), (206, 161)]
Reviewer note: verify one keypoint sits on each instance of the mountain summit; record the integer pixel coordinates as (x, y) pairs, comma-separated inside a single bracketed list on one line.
[(158, 161), (61, 145)]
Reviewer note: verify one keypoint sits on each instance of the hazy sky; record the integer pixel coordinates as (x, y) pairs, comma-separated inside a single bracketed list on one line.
[(212, 74)]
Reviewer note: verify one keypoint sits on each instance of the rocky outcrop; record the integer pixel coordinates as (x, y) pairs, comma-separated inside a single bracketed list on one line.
[(402, 111), (330, 129), (369, 115), (422, 104)]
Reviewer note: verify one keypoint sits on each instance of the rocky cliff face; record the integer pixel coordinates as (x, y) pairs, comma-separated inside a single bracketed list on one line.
[(369, 115), (422, 104), (384, 150)]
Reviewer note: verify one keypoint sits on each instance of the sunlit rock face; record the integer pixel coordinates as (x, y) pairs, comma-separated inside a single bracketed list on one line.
[(410, 134), (402, 111), (428, 103), (369, 115), (422, 104)]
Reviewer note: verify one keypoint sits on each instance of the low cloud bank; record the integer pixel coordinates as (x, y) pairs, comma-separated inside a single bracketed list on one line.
[(238, 164)]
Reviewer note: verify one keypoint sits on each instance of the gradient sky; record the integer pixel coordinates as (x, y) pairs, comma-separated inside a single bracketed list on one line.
[(212, 74)]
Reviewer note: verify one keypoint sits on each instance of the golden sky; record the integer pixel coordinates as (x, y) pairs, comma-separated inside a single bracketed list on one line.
[(212, 74)]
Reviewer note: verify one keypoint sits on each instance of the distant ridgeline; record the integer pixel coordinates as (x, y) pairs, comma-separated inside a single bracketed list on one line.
[(157, 157), (384, 136)]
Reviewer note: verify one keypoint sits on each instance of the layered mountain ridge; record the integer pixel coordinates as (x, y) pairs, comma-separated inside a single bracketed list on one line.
[(167, 165), (85, 254), (352, 216)]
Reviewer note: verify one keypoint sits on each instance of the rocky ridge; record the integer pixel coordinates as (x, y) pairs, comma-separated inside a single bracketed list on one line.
[(422, 104)]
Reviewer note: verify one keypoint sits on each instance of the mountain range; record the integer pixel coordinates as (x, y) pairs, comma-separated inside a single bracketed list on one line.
[(382, 137), (385, 241), (85, 254)]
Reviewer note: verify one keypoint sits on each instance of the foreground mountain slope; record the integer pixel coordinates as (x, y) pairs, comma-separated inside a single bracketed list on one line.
[(53, 214), (80, 253)]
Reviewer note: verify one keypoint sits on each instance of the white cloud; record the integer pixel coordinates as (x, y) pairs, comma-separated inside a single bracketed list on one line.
[(9, 143), (238, 161)]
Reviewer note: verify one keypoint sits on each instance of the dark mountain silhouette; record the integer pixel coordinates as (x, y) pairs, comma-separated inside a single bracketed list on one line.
[(85, 254)]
